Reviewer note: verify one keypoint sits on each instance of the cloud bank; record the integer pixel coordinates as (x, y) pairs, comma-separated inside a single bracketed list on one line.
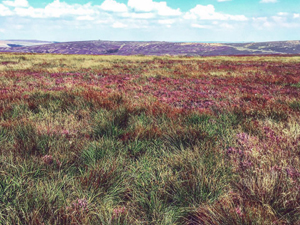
[(146, 16)]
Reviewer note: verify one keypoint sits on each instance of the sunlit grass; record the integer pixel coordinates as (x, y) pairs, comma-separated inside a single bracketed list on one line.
[(149, 140)]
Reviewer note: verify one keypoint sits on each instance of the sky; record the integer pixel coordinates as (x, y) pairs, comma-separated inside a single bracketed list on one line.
[(151, 20)]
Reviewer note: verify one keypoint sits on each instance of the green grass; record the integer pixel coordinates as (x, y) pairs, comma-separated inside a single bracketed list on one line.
[(149, 140)]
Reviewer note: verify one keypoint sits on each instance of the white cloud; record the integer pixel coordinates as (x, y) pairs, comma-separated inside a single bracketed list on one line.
[(282, 14), (57, 9), (16, 3), (261, 22), (201, 26), (113, 6), (260, 19), (141, 6), (296, 15), (139, 23), (88, 18), (224, 0), (268, 1), (104, 21), (17, 26), (161, 8), (226, 26), (4, 11), (119, 25), (275, 22), (215, 25), (278, 19), (30, 12), (208, 12), (164, 10), (284, 22), (166, 22), (2, 30), (148, 15), (137, 14)]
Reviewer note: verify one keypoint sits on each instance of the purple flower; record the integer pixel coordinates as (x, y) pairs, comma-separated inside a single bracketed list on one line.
[(292, 172), (117, 212), (80, 204), (231, 150), (65, 132), (239, 211), (47, 159)]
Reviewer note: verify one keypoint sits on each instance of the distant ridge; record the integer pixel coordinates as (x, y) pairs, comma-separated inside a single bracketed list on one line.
[(22, 43), (151, 48)]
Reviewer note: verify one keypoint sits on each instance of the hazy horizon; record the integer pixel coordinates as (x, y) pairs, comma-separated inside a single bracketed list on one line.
[(224, 42)]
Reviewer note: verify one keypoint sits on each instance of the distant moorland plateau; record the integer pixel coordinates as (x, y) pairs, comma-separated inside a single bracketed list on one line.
[(21, 43), (150, 48)]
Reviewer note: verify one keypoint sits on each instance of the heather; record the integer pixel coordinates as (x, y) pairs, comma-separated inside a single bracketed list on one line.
[(156, 48), (149, 140)]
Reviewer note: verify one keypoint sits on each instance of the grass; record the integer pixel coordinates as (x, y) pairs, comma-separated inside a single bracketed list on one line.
[(149, 140)]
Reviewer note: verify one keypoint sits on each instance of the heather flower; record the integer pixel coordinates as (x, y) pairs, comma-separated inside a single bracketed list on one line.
[(270, 134), (292, 172), (59, 81), (243, 137), (231, 150), (117, 212), (246, 142), (65, 132), (239, 211), (246, 164), (276, 168), (79, 205), (82, 203), (47, 159)]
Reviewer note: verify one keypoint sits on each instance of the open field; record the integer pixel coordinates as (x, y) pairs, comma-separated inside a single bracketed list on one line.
[(149, 140)]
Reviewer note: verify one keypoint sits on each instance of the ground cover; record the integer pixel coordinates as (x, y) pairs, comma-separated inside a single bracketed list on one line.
[(149, 140), (151, 48)]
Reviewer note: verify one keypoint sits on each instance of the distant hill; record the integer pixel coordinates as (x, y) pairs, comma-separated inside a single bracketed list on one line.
[(21, 43), (151, 48)]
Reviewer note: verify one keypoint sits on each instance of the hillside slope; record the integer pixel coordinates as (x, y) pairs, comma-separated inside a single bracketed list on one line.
[(21, 43), (159, 48)]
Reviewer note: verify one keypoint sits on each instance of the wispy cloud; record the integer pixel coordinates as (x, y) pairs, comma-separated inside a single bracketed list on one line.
[(17, 3), (208, 12), (268, 1), (113, 6), (118, 15), (5, 11), (57, 9), (119, 25), (149, 16), (150, 6), (201, 26), (280, 20)]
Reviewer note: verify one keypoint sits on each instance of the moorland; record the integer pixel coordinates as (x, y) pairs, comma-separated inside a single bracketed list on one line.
[(149, 140), (156, 48)]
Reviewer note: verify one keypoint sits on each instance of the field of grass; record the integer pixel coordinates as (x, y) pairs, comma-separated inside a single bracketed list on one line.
[(149, 140)]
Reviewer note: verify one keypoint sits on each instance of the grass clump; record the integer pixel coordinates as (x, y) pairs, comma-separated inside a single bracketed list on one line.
[(149, 140)]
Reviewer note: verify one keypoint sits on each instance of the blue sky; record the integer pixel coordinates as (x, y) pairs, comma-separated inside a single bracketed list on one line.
[(149, 20)]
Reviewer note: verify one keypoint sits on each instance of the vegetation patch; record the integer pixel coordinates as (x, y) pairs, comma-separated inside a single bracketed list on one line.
[(149, 140)]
